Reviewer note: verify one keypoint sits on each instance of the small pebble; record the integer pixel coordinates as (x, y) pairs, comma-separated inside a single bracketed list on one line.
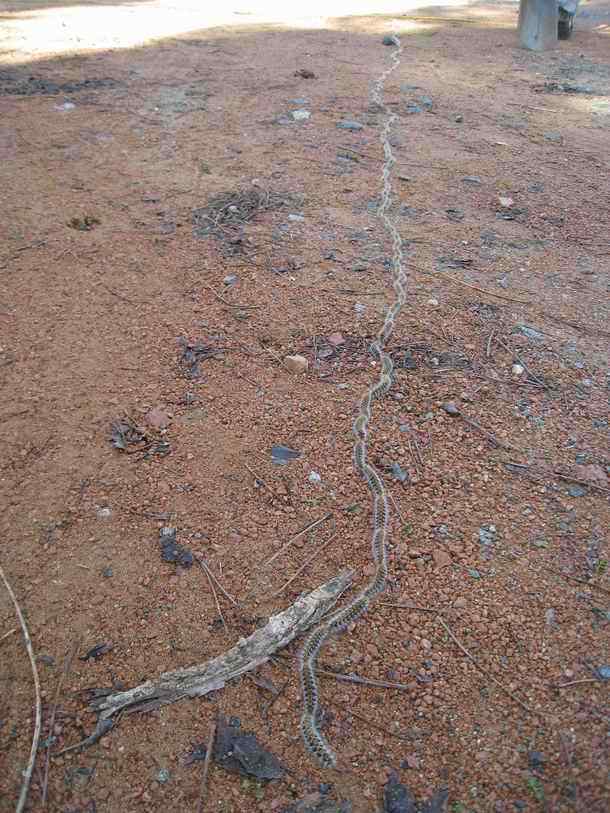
[(296, 364), (388, 40), (603, 672), (473, 180), (577, 491), (350, 125), (230, 279), (458, 118), (517, 370), (314, 477), (163, 776), (433, 302), (300, 115), (104, 513), (451, 408)]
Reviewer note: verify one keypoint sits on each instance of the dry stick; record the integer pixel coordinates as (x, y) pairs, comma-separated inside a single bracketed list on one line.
[(231, 304), (489, 341), (6, 634), (67, 663), (247, 654), (366, 720), (227, 595), (213, 589), (476, 664), (206, 767), (472, 287), (309, 527), (580, 581), (259, 479), (523, 364), (381, 684), (305, 564), (576, 682), (27, 774), (435, 610)]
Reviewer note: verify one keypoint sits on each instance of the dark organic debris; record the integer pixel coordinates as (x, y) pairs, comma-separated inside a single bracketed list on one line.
[(239, 752), (397, 798), (303, 73), (564, 87), (171, 551), (125, 434), (404, 360), (282, 455), (193, 354), (11, 85), (96, 652), (455, 214), (318, 803), (228, 211), (86, 223), (455, 361), (444, 263)]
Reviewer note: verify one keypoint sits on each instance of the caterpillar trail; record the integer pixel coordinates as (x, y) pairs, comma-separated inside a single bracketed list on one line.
[(314, 740)]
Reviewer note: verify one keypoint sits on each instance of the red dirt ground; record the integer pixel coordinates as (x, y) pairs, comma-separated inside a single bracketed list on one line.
[(91, 327)]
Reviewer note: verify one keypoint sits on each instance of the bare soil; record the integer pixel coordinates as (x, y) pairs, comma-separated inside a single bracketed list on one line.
[(111, 278)]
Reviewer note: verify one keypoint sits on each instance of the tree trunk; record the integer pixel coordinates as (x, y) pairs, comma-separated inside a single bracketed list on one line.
[(538, 21)]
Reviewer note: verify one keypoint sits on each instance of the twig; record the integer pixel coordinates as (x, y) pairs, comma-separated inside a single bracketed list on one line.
[(6, 634), (309, 527), (580, 581), (434, 610), (472, 287), (213, 589), (402, 522), (489, 341), (476, 664), (382, 684), (231, 304), (27, 774), (215, 579), (570, 479), (523, 364), (67, 663), (576, 682), (124, 298), (206, 767), (260, 480), (304, 566), (366, 720), (491, 437)]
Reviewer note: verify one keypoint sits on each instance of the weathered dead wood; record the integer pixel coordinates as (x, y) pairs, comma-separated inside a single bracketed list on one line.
[(247, 654)]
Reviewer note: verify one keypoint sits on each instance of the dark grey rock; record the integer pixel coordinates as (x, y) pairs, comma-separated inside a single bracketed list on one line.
[(552, 136), (399, 473), (603, 672), (451, 408), (577, 490), (388, 40), (350, 125), (473, 180), (281, 455), (171, 551)]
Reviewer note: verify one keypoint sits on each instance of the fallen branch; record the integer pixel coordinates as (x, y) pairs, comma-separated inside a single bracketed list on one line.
[(27, 774), (247, 654)]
